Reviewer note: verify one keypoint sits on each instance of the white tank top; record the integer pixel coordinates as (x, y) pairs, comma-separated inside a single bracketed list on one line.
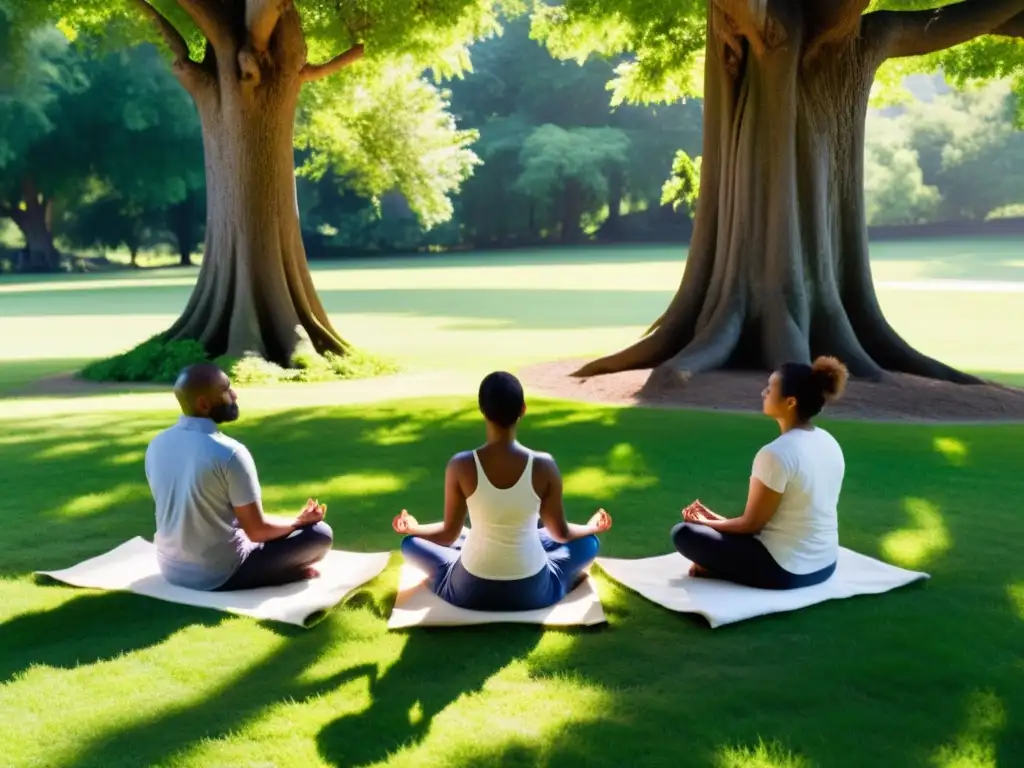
[(503, 542)]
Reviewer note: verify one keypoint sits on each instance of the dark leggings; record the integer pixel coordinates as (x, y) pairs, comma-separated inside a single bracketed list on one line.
[(454, 584), (281, 561), (739, 558)]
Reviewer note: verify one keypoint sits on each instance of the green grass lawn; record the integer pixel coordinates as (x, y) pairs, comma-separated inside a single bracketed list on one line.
[(928, 675), (480, 311)]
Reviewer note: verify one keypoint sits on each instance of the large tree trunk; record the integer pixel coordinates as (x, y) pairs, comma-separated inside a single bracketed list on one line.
[(254, 293), (36, 224), (778, 268)]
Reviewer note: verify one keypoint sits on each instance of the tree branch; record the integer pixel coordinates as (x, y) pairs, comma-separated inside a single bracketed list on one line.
[(208, 16), (261, 17), (312, 72), (171, 35), (917, 33), (1013, 28)]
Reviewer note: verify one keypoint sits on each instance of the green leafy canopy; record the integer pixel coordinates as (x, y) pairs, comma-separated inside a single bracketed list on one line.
[(667, 40), (380, 124)]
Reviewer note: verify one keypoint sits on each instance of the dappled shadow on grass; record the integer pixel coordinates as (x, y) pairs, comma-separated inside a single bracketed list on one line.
[(436, 667), (899, 666), (104, 626), (275, 680)]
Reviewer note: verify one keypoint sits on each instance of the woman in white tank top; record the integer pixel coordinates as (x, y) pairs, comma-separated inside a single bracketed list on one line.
[(520, 553), (788, 534)]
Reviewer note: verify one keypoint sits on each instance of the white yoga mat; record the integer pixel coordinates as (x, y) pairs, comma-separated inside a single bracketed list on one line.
[(417, 606), (132, 567), (666, 581)]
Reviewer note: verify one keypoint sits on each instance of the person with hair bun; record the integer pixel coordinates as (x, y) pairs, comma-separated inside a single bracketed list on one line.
[(520, 554), (788, 534)]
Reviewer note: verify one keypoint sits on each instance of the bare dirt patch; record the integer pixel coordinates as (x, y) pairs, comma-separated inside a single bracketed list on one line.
[(902, 398)]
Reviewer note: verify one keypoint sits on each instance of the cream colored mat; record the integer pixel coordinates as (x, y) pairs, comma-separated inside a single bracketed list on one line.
[(417, 606), (664, 580), (132, 567)]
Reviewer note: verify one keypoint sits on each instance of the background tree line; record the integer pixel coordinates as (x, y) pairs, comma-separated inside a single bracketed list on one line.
[(103, 152)]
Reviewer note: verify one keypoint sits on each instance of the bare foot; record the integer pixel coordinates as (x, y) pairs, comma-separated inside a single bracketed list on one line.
[(310, 573), (699, 572)]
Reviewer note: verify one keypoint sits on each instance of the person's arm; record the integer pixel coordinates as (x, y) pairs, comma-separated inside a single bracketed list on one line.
[(552, 509), (767, 483), (447, 532), (246, 500), (762, 504)]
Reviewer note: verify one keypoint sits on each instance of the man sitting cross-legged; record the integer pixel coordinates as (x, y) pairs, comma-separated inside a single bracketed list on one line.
[(211, 532)]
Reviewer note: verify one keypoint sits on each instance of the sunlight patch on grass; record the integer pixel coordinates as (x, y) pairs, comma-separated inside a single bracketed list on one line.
[(515, 721), (346, 485), (131, 457), (624, 470), (95, 503), (954, 450), (157, 684), (597, 483), (416, 714), (70, 448), (923, 541), (406, 433), (976, 745), (764, 755), (1016, 594)]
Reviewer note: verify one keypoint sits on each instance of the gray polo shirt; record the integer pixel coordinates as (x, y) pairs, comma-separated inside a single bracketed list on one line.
[(198, 475)]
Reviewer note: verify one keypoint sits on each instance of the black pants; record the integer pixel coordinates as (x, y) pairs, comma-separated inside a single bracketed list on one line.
[(281, 561), (739, 558)]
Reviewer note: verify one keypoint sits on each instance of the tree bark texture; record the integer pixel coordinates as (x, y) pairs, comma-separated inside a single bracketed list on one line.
[(254, 293), (778, 268)]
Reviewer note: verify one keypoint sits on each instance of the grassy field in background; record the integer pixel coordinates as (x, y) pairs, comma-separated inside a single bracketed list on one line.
[(507, 309)]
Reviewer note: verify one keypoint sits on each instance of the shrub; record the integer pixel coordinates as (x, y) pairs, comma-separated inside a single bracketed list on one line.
[(159, 361)]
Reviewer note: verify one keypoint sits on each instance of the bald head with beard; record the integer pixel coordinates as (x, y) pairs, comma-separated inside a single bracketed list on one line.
[(204, 391)]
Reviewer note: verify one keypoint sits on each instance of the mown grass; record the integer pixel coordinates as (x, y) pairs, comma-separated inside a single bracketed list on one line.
[(928, 675)]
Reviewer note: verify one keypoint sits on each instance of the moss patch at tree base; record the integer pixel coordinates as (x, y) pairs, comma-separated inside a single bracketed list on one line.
[(159, 361)]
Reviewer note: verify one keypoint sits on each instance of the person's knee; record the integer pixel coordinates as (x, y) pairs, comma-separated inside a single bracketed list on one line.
[(587, 547), (319, 537), (683, 536), (408, 547)]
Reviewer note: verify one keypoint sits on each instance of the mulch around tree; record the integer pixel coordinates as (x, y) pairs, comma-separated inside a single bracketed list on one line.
[(900, 398)]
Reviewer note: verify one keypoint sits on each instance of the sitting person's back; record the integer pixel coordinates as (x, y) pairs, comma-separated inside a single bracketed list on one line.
[(506, 563), (788, 534), (503, 543), (808, 465), (211, 533), (198, 475)]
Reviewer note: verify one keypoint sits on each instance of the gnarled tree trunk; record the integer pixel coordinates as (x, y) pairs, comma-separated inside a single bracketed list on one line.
[(778, 268), (254, 293)]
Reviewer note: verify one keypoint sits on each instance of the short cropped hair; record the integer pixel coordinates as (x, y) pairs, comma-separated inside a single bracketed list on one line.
[(501, 399)]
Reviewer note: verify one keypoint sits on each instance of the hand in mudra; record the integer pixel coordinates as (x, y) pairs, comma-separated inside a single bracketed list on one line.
[(601, 521), (311, 514), (404, 523), (698, 513)]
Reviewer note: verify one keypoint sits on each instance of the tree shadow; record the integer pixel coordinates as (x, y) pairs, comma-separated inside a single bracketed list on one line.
[(275, 680), (432, 672), (41, 638)]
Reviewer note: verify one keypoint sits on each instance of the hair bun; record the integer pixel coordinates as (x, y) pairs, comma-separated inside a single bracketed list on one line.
[(833, 377)]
